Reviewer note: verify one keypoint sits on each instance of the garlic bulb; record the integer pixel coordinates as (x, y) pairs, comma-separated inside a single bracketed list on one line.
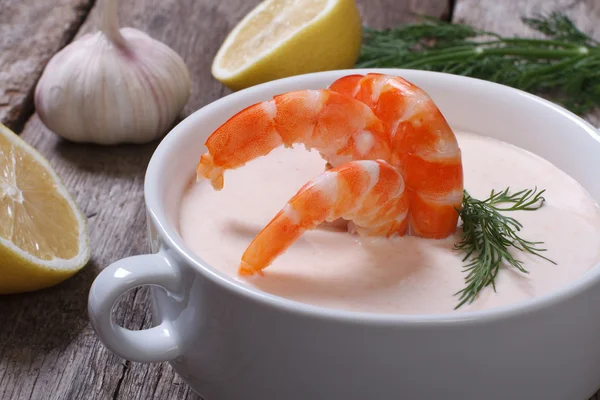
[(112, 86)]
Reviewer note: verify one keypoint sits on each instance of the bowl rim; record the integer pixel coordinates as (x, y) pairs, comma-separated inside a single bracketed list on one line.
[(170, 237)]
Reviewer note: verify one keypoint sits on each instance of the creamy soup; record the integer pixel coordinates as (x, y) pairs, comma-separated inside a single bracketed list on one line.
[(406, 275)]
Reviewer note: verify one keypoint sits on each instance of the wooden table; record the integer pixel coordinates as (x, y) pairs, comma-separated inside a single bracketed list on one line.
[(48, 349)]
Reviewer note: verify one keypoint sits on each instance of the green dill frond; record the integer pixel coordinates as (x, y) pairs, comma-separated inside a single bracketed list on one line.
[(489, 235), (564, 67), (559, 27)]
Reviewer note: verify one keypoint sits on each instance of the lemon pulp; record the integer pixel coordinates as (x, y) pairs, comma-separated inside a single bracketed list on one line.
[(282, 38), (43, 236)]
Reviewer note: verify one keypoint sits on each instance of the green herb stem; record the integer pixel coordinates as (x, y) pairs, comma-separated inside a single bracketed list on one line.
[(488, 236), (441, 58), (541, 42), (465, 52), (551, 54), (564, 67)]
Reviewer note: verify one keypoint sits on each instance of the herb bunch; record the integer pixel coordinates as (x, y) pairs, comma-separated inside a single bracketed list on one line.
[(564, 67), (489, 235)]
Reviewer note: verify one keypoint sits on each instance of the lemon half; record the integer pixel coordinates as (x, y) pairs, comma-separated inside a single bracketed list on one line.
[(281, 38), (43, 235)]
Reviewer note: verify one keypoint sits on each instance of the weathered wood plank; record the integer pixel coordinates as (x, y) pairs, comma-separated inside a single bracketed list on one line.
[(31, 31), (46, 343), (387, 13), (503, 17), (47, 347)]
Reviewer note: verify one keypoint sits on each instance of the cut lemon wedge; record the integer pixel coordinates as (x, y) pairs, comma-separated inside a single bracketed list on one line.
[(43, 235), (281, 38)]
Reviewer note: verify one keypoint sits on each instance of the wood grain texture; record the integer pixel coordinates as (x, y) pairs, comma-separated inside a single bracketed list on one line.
[(387, 13), (48, 349), (31, 31), (503, 17)]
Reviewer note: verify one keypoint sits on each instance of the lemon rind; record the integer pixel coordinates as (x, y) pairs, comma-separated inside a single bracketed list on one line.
[(223, 74), (83, 254)]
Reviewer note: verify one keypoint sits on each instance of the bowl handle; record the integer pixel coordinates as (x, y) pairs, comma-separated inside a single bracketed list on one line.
[(149, 345)]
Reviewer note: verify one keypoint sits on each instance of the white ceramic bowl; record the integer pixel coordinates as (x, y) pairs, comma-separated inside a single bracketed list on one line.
[(233, 342)]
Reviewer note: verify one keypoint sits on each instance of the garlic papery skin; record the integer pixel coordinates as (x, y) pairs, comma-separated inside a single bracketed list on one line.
[(120, 87)]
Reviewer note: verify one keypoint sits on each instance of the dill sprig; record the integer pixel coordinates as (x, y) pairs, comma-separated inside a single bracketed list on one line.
[(489, 235), (564, 67)]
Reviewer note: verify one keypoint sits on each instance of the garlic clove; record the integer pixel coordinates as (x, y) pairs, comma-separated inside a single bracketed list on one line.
[(123, 87)]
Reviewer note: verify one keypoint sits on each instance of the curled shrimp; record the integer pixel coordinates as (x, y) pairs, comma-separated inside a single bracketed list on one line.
[(342, 129), (369, 193), (424, 149), (372, 117)]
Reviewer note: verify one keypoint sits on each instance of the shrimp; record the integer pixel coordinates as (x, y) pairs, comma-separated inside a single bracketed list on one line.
[(369, 193), (424, 149), (341, 128), (394, 165)]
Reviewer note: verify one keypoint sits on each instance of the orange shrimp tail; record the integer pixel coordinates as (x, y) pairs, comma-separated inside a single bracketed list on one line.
[(432, 219), (207, 169), (250, 130), (369, 193), (272, 241)]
